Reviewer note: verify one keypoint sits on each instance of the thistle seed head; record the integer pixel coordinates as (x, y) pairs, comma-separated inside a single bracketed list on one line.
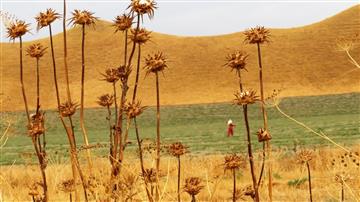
[(155, 63), (36, 50), (256, 35), (110, 75), (246, 97), (67, 109), (342, 177), (123, 73), (44, 19), (133, 110), (237, 61), (149, 175), (123, 22), (140, 36), (304, 156), (67, 186), (17, 29), (106, 100), (177, 149), (234, 162), (263, 135), (83, 17), (37, 126), (143, 7), (193, 186)]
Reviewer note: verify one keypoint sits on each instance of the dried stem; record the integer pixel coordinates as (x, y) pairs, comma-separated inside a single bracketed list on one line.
[(54, 67), (157, 133), (110, 131), (22, 83), (234, 185), (42, 165), (125, 45), (37, 87), (309, 178), (65, 56), (342, 192), (137, 74), (178, 185)]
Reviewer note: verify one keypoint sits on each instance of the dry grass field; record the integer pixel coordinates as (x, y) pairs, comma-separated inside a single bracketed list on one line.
[(301, 61)]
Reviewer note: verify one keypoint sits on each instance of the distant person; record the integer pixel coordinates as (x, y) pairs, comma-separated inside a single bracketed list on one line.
[(230, 130)]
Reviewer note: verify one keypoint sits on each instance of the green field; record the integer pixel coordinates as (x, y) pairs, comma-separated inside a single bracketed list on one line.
[(203, 127)]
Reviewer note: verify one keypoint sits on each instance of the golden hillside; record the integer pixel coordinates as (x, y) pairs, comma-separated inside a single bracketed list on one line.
[(301, 61)]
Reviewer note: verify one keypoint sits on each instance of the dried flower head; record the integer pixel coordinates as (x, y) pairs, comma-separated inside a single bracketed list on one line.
[(36, 50), (142, 7), (155, 63), (106, 100), (237, 61), (33, 189), (304, 156), (274, 99), (67, 186), (193, 186), (17, 29), (177, 149), (245, 98), (110, 75), (256, 35), (123, 22), (342, 177), (44, 19), (149, 175), (233, 162), (123, 72), (37, 126), (133, 110), (140, 36), (67, 108), (83, 18), (263, 135)]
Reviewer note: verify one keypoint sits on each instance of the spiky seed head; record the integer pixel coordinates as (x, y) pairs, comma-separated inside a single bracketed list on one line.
[(140, 36), (17, 29), (155, 63), (36, 50), (105, 100), (123, 72), (256, 35), (33, 190), (44, 19), (123, 22), (237, 60), (37, 126), (245, 97), (342, 177), (83, 17), (193, 186), (263, 135), (133, 109), (234, 162), (149, 175), (143, 7), (67, 108), (67, 186), (110, 75), (304, 156), (177, 149)]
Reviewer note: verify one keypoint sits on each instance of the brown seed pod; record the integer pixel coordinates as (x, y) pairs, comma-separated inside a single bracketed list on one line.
[(237, 61), (67, 186), (111, 75), (149, 175), (17, 29), (37, 126), (36, 50), (245, 98), (193, 186), (44, 19), (263, 135), (233, 161), (133, 110), (106, 100), (143, 7), (140, 36), (155, 63), (257, 35), (67, 109), (177, 149), (83, 17), (304, 156), (123, 73), (123, 22)]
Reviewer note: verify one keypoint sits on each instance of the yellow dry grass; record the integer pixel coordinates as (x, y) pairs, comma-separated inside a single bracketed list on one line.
[(301, 61), (218, 184)]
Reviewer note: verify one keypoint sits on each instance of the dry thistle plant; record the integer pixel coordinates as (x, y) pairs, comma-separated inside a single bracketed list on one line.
[(143, 7), (193, 187), (177, 149), (237, 61), (342, 178), (123, 23), (303, 157), (260, 35), (234, 162), (83, 18), (67, 186)]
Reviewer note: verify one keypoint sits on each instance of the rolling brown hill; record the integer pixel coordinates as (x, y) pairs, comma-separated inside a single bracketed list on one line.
[(301, 61)]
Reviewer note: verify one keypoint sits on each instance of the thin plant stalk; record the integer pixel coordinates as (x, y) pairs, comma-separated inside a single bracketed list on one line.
[(42, 167), (37, 87), (342, 192), (126, 47), (110, 130), (178, 185), (309, 178), (234, 185), (82, 122), (267, 142), (157, 133), (54, 66), (137, 73), (22, 82), (65, 56), (115, 101)]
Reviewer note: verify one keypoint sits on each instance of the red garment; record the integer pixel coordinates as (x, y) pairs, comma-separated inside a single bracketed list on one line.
[(230, 131)]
